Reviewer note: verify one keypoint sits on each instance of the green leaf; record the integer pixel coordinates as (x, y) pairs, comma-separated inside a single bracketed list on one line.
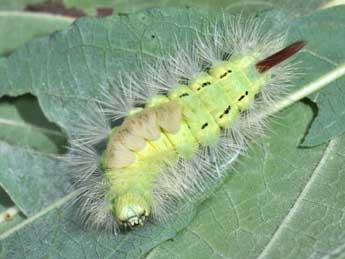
[(233, 6), (32, 179), (17, 28), (64, 72), (22, 123), (55, 232), (21, 120)]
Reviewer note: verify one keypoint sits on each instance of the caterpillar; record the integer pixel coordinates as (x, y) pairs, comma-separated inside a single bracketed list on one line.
[(164, 136)]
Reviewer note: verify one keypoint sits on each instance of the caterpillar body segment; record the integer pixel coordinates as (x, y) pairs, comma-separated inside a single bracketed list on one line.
[(182, 124)]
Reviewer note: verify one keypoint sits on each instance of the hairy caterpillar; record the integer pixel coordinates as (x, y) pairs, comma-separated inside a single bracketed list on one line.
[(179, 124)]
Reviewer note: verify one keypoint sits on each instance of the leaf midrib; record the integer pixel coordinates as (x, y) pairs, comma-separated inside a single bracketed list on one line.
[(15, 123), (296, 206)]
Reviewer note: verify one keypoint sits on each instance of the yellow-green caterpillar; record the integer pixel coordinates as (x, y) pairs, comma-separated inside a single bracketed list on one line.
[(198, 112)]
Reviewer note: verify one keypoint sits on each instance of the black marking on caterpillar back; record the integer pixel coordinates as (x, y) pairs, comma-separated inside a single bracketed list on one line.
[(226, 111), (204, 125), (184, 95), (203, 85), (206, 84), (225, 74), (242, 96)]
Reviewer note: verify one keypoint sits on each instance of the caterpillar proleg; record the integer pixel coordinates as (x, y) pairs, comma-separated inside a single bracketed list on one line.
[(179, 124)]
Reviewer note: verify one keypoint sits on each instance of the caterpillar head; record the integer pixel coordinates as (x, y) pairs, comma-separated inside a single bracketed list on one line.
[(131, 210)]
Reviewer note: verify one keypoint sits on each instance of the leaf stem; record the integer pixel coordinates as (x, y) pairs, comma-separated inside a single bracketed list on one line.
[(310, 88), (53, 206)]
